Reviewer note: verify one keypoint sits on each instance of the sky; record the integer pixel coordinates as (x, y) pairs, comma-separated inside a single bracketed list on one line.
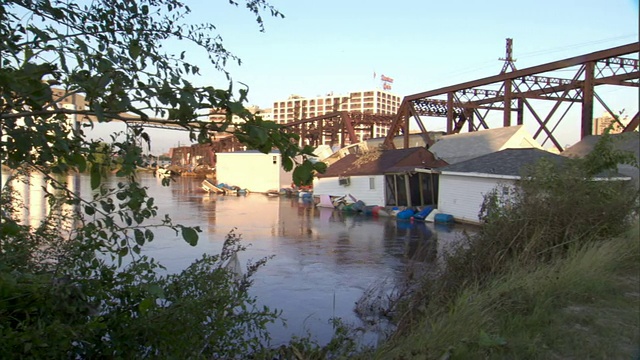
[(337, 46)]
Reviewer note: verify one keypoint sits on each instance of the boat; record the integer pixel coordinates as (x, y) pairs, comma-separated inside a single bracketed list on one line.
[(209, 187), (273, 193), (164, 172)]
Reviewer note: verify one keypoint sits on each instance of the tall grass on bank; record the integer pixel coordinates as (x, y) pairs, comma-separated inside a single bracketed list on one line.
[(585, 305), (541, 274)]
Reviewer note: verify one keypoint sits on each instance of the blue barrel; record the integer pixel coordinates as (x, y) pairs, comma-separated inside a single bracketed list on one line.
[(443, 218), (405, 214), (424, 213)]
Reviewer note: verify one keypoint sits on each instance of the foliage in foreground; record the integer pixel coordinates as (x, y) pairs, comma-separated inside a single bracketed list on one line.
[(62, 299), (77, 286)]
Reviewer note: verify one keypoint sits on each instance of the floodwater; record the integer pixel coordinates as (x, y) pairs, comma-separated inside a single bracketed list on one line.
[(323, 259)]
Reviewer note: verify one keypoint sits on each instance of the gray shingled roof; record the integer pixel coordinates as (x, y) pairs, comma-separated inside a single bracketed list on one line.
[(456, 148), (509, 162), (625, 142)]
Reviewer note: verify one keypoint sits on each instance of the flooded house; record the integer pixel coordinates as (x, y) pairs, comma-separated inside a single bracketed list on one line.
[(252, 170), (463, 185), (383, 177)]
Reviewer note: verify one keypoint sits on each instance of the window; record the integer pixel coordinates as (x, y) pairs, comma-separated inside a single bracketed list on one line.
[(275, 160), (372, 183)]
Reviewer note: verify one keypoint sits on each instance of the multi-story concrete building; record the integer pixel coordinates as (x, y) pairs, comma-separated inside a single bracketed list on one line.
[(374, 102), (219, 115), (603, 122)]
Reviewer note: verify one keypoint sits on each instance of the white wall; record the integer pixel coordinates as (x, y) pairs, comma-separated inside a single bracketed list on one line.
[(462, 196), (256, 172), (359, 188)]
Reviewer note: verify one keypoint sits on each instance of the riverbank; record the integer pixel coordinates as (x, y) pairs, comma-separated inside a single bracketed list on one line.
[(584, 306)]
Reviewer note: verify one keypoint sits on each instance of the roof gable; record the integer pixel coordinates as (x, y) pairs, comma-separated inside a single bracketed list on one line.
[(511, 162), (508, 162), (456, 148), (625, 141)]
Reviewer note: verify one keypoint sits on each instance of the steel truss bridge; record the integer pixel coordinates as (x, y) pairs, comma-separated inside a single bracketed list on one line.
[(513, 93), (513, 96), (337, 127)]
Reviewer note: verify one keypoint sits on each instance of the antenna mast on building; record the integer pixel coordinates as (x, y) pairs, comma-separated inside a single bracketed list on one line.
[(509, 61)]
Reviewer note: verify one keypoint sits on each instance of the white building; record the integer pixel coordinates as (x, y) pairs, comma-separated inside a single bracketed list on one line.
[(377, 102), (252, 170), (463, 186), (384, 178)]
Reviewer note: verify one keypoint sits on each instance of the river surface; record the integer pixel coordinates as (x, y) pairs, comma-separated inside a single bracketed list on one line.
[(323, 259)]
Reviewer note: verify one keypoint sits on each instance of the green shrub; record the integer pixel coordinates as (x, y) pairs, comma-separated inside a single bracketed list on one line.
[(554, 206)]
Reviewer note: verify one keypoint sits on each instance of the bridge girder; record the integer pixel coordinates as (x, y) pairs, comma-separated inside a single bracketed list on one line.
[(513, 91), (338, 126)]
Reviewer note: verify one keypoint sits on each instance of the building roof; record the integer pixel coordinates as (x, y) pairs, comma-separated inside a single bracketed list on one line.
[(383, 161), (249, 152), (510, 162), (625, 141), (456, 148)]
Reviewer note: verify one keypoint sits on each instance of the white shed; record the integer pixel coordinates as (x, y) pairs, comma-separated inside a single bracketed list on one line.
[(252, 170), (463, 185)]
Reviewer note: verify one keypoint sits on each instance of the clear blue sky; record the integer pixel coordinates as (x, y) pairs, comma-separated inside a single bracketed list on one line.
[(330, 45)]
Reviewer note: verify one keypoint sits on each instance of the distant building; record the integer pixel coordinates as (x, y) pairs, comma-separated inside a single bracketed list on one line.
[(376, 102), (252, 170), (220, 115), (600, 124), (73, 102)]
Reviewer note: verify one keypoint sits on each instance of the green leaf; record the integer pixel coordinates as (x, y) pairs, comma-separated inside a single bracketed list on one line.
[(96, 177), (146, 305), (303, 173), (190, 236), (79, 161), (287, 163), (134, 49), (149, 235), (89, 210), (123, 252), (139, 236), (155, 290), (320, 167)]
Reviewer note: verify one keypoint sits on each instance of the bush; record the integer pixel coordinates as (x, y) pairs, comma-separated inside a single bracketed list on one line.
[(69, 299), (552, 208)]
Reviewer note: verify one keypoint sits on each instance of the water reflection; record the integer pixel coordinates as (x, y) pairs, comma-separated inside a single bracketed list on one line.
[(324, 259)]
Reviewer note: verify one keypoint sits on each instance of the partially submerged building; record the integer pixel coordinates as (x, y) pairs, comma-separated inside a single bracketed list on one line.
[(463, 186), (383, 177), (252, 170)]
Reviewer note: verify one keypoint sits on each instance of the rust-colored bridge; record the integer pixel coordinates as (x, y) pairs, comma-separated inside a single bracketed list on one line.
[(513, 92), (514, 96)]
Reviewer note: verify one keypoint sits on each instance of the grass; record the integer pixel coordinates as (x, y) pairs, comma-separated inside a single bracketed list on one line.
[(585, 305)]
